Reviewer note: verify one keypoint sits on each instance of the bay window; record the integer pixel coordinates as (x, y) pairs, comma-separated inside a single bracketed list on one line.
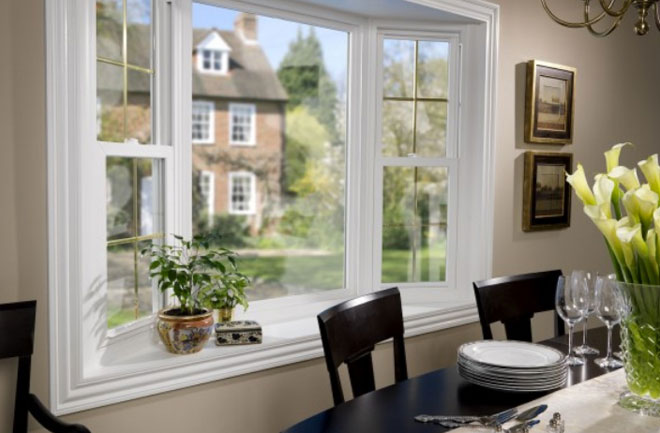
[(362, 163)]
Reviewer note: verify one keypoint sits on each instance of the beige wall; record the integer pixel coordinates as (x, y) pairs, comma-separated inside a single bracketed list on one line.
[(616, 97)]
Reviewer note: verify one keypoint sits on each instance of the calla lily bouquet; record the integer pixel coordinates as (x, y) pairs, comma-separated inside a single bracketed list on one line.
[(627, 214)]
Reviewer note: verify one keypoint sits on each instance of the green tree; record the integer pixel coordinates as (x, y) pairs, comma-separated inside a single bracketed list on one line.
[(303, 74)]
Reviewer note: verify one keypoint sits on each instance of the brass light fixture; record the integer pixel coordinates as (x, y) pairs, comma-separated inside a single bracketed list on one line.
[(611, 14)]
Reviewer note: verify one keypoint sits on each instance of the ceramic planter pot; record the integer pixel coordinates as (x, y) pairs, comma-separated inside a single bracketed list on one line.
[(184, 334)]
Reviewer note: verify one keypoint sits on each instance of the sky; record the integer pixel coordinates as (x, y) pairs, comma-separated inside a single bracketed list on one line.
[(275, 35)]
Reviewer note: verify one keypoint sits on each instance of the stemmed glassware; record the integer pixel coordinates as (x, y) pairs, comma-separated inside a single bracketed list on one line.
[(590, 279), (608, 309), (571, 305)]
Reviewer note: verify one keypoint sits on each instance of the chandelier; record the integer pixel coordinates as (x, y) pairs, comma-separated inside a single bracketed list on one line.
[(611, 15)]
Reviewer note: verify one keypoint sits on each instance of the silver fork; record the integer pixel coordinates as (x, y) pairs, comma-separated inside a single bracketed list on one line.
[(490, 420)]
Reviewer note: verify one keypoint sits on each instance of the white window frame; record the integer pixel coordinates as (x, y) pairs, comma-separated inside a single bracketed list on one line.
[(89, 369), (210, 106), (208, 177), (252, 204), (451, 161), (252, 108)]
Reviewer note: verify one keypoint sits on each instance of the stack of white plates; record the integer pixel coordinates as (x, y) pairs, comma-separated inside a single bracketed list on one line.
[(512, 365)]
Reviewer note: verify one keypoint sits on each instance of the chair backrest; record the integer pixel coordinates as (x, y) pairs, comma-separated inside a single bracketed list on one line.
[(349, 332), (514, 300), (19, 318)]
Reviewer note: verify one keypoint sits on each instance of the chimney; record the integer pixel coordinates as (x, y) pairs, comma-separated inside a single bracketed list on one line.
[(245, 26)]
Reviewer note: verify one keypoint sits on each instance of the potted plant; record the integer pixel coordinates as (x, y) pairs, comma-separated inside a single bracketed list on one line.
[(227, 292), (188, 271)]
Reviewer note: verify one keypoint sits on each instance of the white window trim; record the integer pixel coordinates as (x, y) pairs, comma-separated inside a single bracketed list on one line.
[(252, 141), (210, 200), (82, 376), (252, 205), (211, 107)]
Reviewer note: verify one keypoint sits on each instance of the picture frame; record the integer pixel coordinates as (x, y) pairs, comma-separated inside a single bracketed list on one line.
[(549, 103), (546, 194)]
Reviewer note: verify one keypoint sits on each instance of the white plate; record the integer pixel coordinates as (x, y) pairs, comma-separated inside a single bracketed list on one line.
[(512, 354), (537, 387)]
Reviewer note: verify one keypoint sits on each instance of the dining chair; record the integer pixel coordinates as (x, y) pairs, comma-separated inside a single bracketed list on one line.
[(514, 300), (349, 332), (17, 321)]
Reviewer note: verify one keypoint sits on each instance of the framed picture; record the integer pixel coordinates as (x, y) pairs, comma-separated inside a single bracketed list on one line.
[(549, 103), (546, 194)]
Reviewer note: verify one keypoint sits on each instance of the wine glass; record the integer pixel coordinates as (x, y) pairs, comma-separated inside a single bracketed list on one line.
[(571, 305), (608, 309), (585, 349)]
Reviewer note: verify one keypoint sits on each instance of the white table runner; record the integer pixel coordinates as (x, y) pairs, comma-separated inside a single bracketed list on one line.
[(590, 407)]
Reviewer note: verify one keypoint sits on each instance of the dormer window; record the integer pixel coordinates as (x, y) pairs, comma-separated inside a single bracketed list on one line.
[(213, 60), (213, 54)]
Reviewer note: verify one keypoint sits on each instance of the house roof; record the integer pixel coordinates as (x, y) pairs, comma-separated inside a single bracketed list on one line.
[(250, 75)]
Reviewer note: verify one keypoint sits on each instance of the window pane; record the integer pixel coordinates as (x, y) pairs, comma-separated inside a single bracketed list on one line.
[(431, 129), (433, 69), (398, 68), (138, 32), (109, 81), (128, 301), (131, 196), (414, 224), (279, 202), (138, 110), (397, 134), (109, 29)]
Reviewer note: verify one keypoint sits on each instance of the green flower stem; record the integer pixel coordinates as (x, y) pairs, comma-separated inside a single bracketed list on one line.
[(616, 201), (617, 268)]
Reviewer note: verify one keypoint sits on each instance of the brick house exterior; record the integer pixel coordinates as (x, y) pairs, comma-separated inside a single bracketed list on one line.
[(238, 123)]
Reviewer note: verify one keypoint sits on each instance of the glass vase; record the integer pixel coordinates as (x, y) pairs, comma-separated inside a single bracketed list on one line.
[(640, 343)]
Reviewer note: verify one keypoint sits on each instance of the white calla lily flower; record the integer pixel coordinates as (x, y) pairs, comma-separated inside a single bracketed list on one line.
[(627, 235), (631, 203), (651, 171), (647, 203), (603, 189), (656, 221), (578, 181), (626, 176), (612, 155)]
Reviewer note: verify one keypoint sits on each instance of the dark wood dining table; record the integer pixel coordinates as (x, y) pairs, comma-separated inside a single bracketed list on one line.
[(444, 391)]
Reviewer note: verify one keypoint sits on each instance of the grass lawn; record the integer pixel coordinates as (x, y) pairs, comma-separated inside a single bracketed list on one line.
[(274, 276)]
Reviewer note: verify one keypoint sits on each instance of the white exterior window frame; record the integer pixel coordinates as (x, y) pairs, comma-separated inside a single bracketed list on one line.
[(210, 106), (207, 178), (252, 202), (90, 369), (252, 136)]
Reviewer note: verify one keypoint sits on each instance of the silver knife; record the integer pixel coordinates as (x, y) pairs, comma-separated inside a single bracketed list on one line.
[(532, 413), (518, 428)]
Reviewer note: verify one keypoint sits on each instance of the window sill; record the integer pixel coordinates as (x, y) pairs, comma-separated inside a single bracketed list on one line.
[(138, 366)]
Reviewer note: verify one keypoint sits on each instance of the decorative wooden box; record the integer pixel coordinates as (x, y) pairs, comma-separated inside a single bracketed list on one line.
[(237, 332)]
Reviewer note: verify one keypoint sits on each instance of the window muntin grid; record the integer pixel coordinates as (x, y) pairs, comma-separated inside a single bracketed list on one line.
[(242, 189), (242, 124), (203, 121), (415, 99), (133, 209)]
